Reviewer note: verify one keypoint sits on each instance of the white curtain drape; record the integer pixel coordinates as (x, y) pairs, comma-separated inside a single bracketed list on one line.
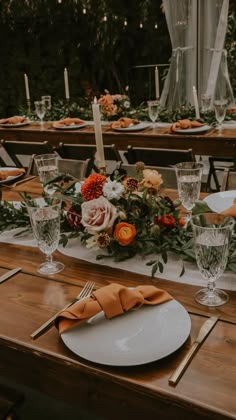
[(197, 31), (182, 76), (213, 70)]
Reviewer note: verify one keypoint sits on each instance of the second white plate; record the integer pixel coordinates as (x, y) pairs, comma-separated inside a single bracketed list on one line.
[(197, 130), (135, 127), (137, 337), (220, 201)]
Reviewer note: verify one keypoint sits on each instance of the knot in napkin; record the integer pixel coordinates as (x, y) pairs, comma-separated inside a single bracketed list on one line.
[(114, 300)]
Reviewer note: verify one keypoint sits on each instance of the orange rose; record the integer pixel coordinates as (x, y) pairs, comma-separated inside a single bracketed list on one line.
[(124, 233)]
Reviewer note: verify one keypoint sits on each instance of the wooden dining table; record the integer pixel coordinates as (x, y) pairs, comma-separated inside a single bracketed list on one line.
[(208, 144), (205, 391)]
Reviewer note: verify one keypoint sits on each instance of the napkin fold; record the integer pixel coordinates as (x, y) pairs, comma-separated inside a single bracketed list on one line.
[(231, 211), (114, 300), (184, 124)]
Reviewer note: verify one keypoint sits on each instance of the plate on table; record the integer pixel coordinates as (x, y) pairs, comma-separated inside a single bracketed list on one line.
[(197, 130), (135, 127), (220, 201), (69, 127), (137, 337), (10, 179), (22, 124)]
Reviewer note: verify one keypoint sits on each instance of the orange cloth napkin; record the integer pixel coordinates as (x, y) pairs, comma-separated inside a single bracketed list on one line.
[(114, 300), (231, 211)]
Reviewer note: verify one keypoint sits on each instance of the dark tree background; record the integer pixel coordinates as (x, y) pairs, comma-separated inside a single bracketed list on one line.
[(42, 37)]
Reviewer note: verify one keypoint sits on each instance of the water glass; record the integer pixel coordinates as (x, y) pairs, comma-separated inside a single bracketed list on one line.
[(47, 166), (206, 102), (153, 110), (212, 233), (189, 176), (45, 215), (40, 110), (47, 101), (220, 106)]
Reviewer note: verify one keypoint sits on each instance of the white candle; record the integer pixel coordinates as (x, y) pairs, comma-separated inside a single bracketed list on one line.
[(157, 90), (67, 92), (98, 133), (196, 105), (27, 87)]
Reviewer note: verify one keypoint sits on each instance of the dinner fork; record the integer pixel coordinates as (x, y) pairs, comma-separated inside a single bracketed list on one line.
[(84, 293), (22, 181)]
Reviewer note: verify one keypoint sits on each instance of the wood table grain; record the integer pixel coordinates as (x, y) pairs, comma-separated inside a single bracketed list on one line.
[(207, 144), (206, 390)]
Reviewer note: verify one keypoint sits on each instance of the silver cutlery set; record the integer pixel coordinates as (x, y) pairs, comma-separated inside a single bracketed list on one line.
[(87, 290)]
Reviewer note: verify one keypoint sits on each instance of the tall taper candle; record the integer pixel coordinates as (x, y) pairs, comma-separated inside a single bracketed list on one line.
[(157, 89), (27, 87), (196, 105), (98, 133), (67, 91)]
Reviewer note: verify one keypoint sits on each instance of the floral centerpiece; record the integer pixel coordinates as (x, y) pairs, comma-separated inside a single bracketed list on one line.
[(120, 217), (114, 105)]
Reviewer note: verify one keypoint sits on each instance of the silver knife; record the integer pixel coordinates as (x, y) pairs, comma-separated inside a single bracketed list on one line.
[(203, 333), (9, 274)]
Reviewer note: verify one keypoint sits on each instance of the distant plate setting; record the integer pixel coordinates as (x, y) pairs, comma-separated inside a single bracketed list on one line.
[(69, 127), (10, 179), (134, 127), (197, 130), (15, 125)]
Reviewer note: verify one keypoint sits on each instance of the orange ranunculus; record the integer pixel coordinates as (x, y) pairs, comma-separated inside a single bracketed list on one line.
[(124, 233)]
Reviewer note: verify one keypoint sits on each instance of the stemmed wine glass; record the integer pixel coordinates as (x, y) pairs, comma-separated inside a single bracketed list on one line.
[(212, 233), (40, 110), (47, 166), (189, 176), (45, 217), (220, 106), (206, 102), (153, 111)]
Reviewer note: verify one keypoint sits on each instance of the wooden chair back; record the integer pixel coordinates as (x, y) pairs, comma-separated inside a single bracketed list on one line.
[(21, 152), (217, 164), (76, 168), (229, 180), (168, 174), (158, 157), (88, 151)]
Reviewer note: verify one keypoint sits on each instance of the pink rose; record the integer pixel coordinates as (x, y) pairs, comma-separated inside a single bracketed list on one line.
[(97, 215)]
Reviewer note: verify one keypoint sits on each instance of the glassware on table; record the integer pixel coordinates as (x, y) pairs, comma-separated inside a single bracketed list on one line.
[(40, 110), (220, 106), (206, 102), (45, 217), (212, 233), (189, 176), (153, 111), (47, 166), (47, 101)]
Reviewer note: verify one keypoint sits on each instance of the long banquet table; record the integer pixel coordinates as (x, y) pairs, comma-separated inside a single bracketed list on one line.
[(202, 144), (206, 390)]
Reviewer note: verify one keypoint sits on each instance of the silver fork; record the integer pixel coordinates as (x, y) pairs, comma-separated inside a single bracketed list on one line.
[(85, 292)]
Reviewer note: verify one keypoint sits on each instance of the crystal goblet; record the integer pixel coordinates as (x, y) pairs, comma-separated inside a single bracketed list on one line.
[(220, 106), (47, 166), (45, 215), (189, 176), (153, 111), (40, 110), (212, 233)]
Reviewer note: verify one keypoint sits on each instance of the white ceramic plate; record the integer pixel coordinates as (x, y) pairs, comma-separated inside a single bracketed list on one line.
[(197, 130), (220, 201), (70, 127), (10, 179), (135, 127), (15, 125), (134, 338)]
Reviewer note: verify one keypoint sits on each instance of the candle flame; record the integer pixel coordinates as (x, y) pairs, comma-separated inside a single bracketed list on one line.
[(95, 101)]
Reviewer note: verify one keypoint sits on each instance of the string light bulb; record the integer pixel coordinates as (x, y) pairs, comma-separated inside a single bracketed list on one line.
[(141, 25), (125, 22), (59, 1), (84, 11), (105, 18), (156, 26)]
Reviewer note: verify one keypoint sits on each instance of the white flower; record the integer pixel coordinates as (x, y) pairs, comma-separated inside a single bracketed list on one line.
[(113, 189), (126, 104), (92, 243)]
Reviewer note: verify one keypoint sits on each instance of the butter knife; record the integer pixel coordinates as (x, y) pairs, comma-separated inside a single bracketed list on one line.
[(203, 333), (9, 274)]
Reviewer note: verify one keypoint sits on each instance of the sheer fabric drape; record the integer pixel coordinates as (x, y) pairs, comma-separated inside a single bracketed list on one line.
[(182, 25), (197, 31)]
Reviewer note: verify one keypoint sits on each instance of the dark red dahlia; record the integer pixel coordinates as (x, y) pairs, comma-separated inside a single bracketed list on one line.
[(74, 218)]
